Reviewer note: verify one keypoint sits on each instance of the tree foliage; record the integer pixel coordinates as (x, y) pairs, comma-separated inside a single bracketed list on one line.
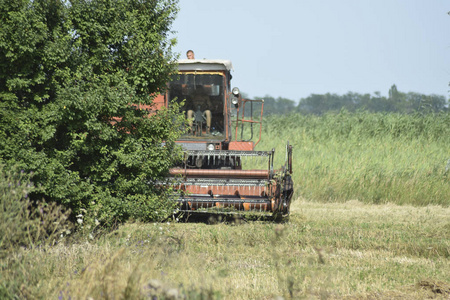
[(397, 102), (277, 105), (67, 69)]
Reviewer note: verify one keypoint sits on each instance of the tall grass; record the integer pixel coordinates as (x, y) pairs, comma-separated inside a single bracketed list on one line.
[(374, 158)]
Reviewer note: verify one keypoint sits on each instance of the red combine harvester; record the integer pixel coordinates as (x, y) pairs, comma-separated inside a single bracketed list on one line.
[(213, 177)]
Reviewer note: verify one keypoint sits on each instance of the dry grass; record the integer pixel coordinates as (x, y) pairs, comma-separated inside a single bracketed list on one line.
[(348, 250)]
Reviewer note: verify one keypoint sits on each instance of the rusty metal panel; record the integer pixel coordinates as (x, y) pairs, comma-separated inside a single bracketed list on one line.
[(242, 146)]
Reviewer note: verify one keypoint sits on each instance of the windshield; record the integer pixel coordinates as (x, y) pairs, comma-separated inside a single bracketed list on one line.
[(204, 98)]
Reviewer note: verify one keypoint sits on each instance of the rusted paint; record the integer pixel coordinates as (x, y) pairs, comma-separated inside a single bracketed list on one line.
[(241, 146)]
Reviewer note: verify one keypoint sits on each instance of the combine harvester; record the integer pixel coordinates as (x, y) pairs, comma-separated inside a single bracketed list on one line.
[(213, 177)]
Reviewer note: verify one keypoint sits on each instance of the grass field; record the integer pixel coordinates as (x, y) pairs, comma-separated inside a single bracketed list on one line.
[(370, 220), (345, 250), (374, 158)]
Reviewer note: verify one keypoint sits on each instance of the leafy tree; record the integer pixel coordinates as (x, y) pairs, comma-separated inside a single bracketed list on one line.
[(426, 103), (67, 70), (319, 104), (278, 105)]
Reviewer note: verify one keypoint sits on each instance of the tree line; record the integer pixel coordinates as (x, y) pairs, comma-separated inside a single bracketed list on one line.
[(396, 101)]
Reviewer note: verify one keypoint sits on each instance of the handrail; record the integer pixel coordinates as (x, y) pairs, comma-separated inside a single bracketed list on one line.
[(243, 120)]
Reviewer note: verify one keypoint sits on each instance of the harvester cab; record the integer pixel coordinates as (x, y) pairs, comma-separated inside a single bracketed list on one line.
[(223, 130)]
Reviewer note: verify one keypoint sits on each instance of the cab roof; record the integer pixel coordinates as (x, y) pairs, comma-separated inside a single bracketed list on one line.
[(204, 65)]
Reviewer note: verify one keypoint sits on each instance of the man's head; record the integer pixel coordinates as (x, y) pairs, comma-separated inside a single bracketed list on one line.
[(200, 99), (190, 54)]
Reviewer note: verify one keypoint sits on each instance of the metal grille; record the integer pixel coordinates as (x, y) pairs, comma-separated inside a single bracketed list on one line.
[(227, 153), (224, 182)]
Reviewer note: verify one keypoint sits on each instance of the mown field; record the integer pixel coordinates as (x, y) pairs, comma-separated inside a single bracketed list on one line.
[(370, 220), (345, 250)]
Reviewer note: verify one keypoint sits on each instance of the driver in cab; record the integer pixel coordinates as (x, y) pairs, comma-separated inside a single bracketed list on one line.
[(199, 110)]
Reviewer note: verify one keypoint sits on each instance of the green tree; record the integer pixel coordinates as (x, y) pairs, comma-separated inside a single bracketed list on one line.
[(319, 104), (278, 105), (426, 103), (67, 70)]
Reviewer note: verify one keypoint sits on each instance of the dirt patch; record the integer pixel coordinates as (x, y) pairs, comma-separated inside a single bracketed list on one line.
[(434, 288), (424, 289)]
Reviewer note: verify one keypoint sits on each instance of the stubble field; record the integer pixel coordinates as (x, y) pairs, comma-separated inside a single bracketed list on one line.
[(345, 250)]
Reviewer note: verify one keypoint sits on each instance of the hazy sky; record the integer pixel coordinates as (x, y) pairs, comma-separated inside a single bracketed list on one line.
[(294, 48)]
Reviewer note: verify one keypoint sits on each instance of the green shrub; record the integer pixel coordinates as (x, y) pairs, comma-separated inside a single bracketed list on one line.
[(24, 223), (67, 72)]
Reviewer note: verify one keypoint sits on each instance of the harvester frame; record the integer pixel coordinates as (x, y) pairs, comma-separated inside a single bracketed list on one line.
[(211, 179)]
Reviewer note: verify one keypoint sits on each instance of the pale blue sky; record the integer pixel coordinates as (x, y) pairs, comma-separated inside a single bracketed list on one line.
[(294, 48)]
